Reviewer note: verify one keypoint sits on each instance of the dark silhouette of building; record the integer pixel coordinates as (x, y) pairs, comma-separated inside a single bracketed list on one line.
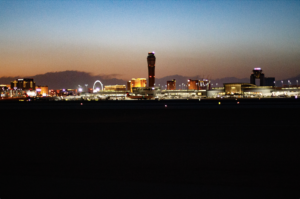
[(151, 68), (257, 74), (171, 85), (264, 81), (269, 81), (23, 84)]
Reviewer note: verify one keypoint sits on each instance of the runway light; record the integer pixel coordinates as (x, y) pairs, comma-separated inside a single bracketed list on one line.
[(166, 106), (238, 102), (81, 103), (219, 103)]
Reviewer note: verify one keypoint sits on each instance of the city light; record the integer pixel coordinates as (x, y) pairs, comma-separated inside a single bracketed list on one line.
[(137, 88)]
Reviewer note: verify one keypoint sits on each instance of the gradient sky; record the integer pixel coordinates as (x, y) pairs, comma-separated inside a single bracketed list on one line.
[(208, 38)]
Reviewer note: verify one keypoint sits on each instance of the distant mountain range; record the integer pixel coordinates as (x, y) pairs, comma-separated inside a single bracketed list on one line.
[(71, 79)]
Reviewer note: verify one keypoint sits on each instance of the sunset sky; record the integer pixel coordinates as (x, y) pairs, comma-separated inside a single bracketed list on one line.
[(215, 38)]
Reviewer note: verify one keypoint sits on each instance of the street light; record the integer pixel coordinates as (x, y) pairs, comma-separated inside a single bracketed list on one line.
[(79, 89), (282, 83), (86, 87)]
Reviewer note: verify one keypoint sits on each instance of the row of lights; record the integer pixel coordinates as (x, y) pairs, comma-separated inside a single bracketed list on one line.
[(183, 85), (289, 82)]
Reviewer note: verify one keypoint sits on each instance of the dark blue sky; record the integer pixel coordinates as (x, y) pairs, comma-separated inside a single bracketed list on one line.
[(216, 38)]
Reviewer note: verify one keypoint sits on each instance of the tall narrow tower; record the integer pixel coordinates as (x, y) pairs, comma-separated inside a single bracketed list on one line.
[(151, 68)]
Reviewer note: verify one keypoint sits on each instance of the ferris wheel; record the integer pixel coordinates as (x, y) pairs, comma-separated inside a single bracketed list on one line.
[(97, 81)]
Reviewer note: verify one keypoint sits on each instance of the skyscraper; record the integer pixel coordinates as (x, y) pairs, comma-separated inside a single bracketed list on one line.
[(171, 85), (151, 68)]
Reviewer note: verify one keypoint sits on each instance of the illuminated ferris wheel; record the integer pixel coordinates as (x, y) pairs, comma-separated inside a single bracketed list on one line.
[(97, 89)]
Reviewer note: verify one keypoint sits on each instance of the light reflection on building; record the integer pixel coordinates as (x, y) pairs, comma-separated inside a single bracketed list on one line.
[(171, 85), (42, 91), (136, 82), (115, 88)]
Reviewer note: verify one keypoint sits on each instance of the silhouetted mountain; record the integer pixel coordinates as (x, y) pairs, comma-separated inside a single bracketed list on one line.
[(285, 81), (67, 79), (71, 79)]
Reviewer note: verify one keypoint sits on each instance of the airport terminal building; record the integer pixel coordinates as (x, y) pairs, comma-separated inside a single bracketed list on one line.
[(246, 90)]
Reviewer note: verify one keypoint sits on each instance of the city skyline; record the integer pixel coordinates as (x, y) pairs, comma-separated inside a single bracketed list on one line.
[(111, 38)]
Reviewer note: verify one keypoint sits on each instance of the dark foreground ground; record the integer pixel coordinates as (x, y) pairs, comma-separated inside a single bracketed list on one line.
[(142, 149)]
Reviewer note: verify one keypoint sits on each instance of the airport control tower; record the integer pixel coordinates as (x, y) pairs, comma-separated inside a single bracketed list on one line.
[(257, 74), (151, 68)]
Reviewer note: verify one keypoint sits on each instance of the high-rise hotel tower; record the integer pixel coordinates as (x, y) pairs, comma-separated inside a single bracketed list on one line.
[(151, 69)]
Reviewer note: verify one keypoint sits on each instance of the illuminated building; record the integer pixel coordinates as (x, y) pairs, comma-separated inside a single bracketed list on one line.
[(138, 82), (52, 92), (23, 84), (4, 90), (5, 86), (204, 84), (71, 91), (198, 84), (90, 90), (129, 86), (146, 91), (234, 88), (151, 68), (171, 85), (42, 90), (63, 92), (115, 88), (192, 84)]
